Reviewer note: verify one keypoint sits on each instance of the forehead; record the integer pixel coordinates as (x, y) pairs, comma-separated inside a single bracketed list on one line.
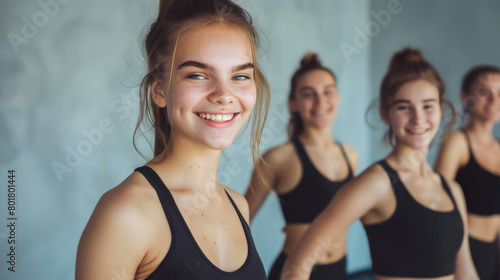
[(416, 91), (216, 44), (490, 80), (316, 77)]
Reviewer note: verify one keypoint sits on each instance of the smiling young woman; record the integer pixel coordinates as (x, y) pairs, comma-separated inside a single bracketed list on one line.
[(471, 156), (414, 218), (172, 218), (307, 171)]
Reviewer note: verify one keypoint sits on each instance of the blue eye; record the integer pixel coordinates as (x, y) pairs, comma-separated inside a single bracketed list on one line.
[(402, 108), (241, 78), (196, 77)]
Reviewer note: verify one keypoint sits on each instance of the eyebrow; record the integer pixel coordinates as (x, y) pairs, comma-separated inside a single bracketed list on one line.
[(191, 63), (311, 88), (399, 101)]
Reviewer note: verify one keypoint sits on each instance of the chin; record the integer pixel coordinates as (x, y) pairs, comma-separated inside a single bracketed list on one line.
[(416, 143), (494, 118), (219, 144)]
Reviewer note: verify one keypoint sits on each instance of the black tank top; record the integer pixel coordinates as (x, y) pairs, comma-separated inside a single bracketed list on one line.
[(185, 260), (415, 242), (481, 187), (313, 193)]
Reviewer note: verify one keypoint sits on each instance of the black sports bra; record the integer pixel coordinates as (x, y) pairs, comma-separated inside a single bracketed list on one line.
[(481, 187), (185, 260), (313, 193), (415, 242)]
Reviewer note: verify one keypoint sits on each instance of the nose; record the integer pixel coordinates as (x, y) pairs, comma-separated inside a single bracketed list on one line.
[(494, 98), (320, 99), (222, 93), (418, 116)]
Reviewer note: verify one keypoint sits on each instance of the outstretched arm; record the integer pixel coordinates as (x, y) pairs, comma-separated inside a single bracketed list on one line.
[(353, 201)]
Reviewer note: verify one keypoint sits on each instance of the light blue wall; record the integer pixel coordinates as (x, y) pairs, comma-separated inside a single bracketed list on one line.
[(77, 74)]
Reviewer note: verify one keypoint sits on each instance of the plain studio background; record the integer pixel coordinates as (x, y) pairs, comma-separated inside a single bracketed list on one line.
[(68, 98)]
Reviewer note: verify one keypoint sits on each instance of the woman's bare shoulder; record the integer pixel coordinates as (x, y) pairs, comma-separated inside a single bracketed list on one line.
[(279, 154), (130, 203), (240, 202), (352, 155), (374, 180), (127, 214)]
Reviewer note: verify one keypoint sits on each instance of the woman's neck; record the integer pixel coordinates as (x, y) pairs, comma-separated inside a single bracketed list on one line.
[(482, 129), (409, 159), (189, 164), (317, 136)]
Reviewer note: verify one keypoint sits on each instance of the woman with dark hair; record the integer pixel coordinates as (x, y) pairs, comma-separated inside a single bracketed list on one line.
[(414, 218), (307, 171), (172, 218), (471, 156)]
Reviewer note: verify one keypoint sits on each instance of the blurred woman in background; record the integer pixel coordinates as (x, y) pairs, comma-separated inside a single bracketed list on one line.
[(471, 156), (307, 171)]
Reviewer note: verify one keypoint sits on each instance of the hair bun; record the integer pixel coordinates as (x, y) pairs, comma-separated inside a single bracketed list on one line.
[(310, 60), (406, 55)]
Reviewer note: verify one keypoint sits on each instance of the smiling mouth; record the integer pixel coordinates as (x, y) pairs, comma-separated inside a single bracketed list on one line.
[(417, 131), (320, 113), (216, 117)]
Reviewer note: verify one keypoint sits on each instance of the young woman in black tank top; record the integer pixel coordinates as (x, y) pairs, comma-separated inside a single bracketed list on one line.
[(471, 156), (307, 171), (414, 219), (173, 219)]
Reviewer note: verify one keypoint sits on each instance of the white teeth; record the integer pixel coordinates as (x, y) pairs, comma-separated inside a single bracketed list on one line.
[(320, 112), (418, 131), (216, 118)]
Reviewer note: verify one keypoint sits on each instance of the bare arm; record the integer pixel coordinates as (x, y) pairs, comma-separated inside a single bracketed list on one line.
[(257, 192), (464, 266), (353, 201), (452, 154), (114, 240)]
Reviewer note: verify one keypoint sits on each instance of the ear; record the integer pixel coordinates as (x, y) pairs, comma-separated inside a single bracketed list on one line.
[(292, 106), (158, 94), (383, 115), (463, 96)]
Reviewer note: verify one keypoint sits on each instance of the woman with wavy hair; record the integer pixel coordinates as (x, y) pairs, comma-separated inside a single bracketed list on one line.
[(172, 218)]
